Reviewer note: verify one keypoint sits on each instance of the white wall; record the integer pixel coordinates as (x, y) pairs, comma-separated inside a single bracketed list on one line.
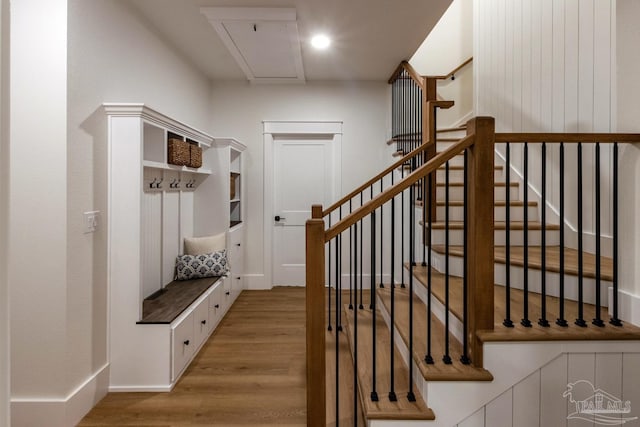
[(4, 208), (59, 310), (449, 43), (628, 111), (239, 109), (37, 203)]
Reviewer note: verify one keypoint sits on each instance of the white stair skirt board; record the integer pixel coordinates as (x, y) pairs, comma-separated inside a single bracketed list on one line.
[(456, 213), (65, 411), (629, 306), (535, 279), (516, 237)]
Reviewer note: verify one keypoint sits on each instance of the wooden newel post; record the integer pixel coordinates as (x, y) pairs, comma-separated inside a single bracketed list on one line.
[(480, 235), (429, 136), (315, 324)]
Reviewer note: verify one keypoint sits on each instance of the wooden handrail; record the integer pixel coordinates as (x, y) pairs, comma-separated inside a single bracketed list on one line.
[(373, 180), (568, 137), (404, 65), (452, 72), (391, 192)]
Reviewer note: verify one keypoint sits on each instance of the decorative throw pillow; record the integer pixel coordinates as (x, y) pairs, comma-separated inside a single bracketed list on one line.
[(204, 265), (204, 245)]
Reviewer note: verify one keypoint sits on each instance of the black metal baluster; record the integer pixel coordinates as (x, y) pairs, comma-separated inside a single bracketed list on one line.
[(355, 331), (392, 393), (373, 255), (351, 266), (615, 320), (543, 243), (446, 358), (410, 395), (464, 358), (598, 319), (561, 321), (424, 221), (382, 236), (361, 253), (374, 393), (580, 320), (525, 320), (339, 276), (507, 239), (428, 358), (329, 328)]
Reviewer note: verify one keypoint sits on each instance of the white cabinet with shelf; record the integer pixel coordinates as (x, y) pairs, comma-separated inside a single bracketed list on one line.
[(146, 231)]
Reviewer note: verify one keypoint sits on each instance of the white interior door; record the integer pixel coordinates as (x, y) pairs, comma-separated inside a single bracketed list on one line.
[(303, 176)]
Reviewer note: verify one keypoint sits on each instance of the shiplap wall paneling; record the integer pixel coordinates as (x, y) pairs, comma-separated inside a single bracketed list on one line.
[(581, 366), (151, 243), (526, 401), (186, 217), (170, 234), (553, 383), (547, 66), (475, 420), (608, 375), (630, 383), (499, 412)]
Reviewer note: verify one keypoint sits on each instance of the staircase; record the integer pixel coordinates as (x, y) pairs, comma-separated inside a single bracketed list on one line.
[(397, 296)]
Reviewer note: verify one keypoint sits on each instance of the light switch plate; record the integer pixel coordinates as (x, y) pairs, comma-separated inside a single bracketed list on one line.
[(91, 221)]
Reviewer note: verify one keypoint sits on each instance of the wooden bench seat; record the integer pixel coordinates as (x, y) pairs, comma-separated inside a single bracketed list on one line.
[(168, 303)]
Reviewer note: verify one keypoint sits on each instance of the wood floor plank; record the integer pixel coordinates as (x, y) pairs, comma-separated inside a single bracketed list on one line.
[(250, 372)]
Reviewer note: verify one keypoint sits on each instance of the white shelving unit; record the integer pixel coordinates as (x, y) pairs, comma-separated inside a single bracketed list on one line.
[(146, 232)]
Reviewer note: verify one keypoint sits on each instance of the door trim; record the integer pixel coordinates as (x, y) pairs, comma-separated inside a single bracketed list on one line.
[(271, 129)]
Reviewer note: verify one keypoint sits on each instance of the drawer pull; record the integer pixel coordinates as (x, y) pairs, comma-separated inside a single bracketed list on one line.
[(238, 278), (204, 322), (237, 244), (217, 306), (186, 342), (227, 293)]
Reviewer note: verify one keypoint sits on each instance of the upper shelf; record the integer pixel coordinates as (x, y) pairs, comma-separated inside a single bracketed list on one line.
[(166, 166)]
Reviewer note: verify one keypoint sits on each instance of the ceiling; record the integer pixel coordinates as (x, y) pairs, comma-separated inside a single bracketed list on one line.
[(369, 37)]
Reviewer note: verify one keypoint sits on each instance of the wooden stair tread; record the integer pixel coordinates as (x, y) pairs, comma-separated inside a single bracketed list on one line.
[(438, 371), (461, 184), (384, 408), (552, 259), (456, 129), (501, 203), (498, 225), (537, 332)]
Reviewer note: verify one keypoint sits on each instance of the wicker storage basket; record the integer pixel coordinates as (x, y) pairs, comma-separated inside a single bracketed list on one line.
[(196, 156), (232, 190), (179, 152)]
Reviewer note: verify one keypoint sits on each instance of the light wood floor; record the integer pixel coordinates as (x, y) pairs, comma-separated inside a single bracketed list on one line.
[(251, 372)]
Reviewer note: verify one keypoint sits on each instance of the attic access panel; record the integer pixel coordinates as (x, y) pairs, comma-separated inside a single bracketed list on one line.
[(263, 41)]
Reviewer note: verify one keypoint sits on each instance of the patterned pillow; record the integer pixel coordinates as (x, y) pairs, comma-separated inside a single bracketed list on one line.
[(199, 266)]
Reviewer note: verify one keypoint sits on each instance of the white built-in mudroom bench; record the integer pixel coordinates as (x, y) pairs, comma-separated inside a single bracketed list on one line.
[(175, 243)]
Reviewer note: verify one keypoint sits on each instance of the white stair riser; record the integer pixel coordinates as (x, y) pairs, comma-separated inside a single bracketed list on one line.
[(516, 237), (456, 213), (459, 160), (457, 175), (457, 193)]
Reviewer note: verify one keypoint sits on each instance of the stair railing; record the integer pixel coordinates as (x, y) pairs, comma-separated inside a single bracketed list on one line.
[(592, 298), (322, 236)]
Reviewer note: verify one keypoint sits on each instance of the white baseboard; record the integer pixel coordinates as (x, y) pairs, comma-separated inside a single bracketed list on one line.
[(63, 412), (628, 306), (137, 389), (256, 282)]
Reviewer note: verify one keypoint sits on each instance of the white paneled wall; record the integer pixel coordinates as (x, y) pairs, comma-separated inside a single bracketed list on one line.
[(548, 66), (538, 399), (168, 217)]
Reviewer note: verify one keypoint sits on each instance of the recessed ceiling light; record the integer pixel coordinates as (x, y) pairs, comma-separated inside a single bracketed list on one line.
[(320, 41)]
